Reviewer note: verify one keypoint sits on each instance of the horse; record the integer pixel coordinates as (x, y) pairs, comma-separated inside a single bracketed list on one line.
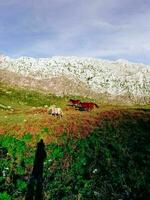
[(74, 102), (53, 110), (87, 106)]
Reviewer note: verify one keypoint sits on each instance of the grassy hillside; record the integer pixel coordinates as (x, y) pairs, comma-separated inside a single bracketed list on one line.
[(23, 111), (23, 98), (102, 154)]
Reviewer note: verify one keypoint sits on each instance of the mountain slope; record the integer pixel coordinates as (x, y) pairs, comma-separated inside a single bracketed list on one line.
[(80, 76)]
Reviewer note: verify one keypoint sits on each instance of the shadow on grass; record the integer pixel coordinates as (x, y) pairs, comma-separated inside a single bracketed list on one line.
[(35, 185)]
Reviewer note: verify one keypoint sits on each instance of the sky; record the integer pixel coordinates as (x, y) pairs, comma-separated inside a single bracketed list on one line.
[(106, 29)]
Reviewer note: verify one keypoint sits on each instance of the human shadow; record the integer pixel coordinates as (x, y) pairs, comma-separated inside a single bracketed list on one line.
[(35, 185)]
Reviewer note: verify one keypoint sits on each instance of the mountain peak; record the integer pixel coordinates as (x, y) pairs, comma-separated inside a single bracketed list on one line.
[(100, 76)]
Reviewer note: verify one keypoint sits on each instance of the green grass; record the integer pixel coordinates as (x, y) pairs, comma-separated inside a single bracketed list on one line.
[(15, 102), (22, 98), (110, 163), (17, 97)]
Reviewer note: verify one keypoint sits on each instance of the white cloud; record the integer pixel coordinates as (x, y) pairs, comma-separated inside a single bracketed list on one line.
[(109, 28)]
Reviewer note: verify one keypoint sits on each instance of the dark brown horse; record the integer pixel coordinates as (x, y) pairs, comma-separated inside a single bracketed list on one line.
[(73, 102)]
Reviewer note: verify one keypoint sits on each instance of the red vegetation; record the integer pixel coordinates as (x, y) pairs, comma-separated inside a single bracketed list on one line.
[(74, 123), (37, 111), (2, 131)]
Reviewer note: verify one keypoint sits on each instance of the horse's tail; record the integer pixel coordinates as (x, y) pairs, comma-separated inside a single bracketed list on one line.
[(61, 112), (96, 105)]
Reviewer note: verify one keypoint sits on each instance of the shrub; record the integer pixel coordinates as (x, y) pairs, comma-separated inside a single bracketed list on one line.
[(4, 196)]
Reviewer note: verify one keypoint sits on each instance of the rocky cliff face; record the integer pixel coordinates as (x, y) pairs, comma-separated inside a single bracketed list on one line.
[(80, 76)]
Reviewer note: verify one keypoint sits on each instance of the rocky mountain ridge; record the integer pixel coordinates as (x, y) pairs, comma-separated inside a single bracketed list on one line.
[(96, 76)]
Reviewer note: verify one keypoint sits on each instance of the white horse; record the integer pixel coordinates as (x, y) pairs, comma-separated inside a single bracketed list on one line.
[(53, 110)]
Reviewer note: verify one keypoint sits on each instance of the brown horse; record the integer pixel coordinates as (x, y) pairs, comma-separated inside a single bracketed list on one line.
[(87, 106)]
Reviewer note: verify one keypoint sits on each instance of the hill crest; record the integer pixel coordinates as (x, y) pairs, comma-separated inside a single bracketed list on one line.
[(114, 78)]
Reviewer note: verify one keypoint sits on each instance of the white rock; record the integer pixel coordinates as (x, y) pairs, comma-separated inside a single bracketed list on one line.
[(113, 77)]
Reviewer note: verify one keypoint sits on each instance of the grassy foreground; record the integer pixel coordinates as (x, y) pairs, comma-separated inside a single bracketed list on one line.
[(103, 154)]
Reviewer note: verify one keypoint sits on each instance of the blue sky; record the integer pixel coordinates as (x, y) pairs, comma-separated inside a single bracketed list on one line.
[(109, 29)]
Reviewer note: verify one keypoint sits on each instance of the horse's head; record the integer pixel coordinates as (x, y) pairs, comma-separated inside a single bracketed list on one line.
[(74, 102)]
